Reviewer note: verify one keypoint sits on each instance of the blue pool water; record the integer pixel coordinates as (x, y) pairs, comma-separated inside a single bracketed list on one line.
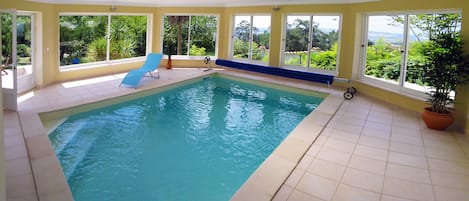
[(198, 142)]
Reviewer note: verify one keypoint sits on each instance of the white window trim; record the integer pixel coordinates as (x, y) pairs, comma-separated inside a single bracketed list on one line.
[(231, 46), (302, 68), (401, 89), (188, 57), (109, 62)]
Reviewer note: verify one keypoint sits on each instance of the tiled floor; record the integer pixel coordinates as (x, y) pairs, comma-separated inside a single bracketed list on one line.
[(369, 150), (376, 151)]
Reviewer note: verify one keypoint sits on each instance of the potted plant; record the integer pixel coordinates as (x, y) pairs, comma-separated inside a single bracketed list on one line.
[(444, 69)]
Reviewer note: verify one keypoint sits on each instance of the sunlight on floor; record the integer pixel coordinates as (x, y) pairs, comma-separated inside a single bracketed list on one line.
[(25, 96), (88, 81)]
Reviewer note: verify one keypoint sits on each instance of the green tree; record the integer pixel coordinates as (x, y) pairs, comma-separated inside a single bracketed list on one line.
[(178, 22), (297, 36)]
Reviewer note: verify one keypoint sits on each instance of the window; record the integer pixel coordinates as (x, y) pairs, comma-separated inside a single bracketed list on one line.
[(396, 46), (312, 41), (251, 38), (97, 38), (190, 35)]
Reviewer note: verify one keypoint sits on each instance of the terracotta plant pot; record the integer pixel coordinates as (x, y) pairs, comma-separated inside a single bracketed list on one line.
[(437, 121), (169, 65)]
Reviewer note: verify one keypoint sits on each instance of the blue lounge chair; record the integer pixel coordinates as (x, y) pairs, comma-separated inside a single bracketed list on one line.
[(133, 77)]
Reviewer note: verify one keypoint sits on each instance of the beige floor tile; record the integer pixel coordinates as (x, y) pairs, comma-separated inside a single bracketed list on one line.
[(407, 148), (351, 120), (376, 132), (326, 169), (321, 140), (392, 198), (364, 180), (374, 142), (15, 152), (31, 197), (327, 131), (449, 166), (408, 160), (313, 150), (355, 118), (344, 136), (406, 189), (370, 152), (305, 162), (449, 145), (294, 177), (20, 186), (406, 132), (335, 156), (18, 167), (445, 194), (353, 129), (339, 145), (45, 169), (384, 127), (368, 164), (349, 193), (317, 186), (446, 155), (409, 123), (13, 140), (300, 196), (283, 193), (408, 173), (377, 117), (407, 139), (63, 195), (450, 180), (39, 146)]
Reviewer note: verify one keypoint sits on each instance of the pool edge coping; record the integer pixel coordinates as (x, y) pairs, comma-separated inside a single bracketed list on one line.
[(51, 184)]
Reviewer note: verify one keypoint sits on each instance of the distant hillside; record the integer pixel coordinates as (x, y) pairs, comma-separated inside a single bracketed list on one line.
[(391, 37)]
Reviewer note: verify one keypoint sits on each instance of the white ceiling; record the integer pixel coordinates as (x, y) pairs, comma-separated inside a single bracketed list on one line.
[(200, 3)]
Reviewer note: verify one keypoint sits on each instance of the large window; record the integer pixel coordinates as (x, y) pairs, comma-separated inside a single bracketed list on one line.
[(312, 41), (251, 38), (396, 45), (190, 35), (97, 38)]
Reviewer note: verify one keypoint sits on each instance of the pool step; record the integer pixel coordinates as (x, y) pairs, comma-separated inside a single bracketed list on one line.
[(76, 150), (66, 136)]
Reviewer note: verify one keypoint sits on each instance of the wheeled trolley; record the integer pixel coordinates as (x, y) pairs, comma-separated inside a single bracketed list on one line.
[(350, 92)]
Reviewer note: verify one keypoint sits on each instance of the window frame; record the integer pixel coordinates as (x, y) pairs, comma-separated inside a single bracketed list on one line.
[(188, 57), (108, 61), (400, 86), (309, 69), (251, 39)]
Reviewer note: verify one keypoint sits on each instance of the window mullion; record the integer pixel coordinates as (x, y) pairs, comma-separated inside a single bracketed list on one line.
[(364, 46), (250, 38), (108, 38), (189, 35), (404, 52), (310, 41)]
